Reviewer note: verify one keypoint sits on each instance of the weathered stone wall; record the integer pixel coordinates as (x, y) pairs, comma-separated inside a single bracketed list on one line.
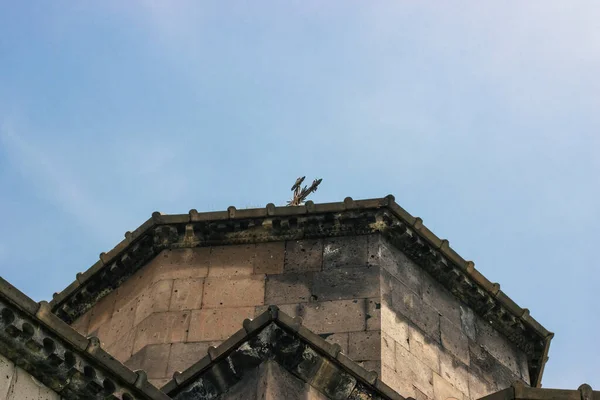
[(17, 384), (165, 317), (359, 292), (432, 345)]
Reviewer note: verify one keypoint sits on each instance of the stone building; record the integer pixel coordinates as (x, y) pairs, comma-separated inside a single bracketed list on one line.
[(349, 300)]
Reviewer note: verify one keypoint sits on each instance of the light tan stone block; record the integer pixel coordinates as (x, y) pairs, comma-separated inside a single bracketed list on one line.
[(119, 325), (153, 359), (498, 346), (443, 390), (81, 324), (240, 291), (155, 299), (364, 346), (303, 255), (388, 351), (394, 324), (101, 313), (233, 260), (424, 348), (7, 371), (334, 316), (187, 294), (122, 349), (373, 314), (184, 355), (217, 323), (454, 372), (410, 367), (169, 264), (340, 339), (269, 258), (165, 327), (402, 384)]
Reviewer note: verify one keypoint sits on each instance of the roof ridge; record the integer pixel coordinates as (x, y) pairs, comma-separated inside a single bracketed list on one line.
[(61, 358), (222, 356)]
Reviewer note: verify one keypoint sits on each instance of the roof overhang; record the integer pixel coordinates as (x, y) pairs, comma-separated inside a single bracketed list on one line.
[(311, 220), (55, 354)]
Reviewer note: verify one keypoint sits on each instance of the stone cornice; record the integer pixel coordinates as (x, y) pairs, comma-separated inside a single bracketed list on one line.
[(55, 354), (274, 335), (272, 223)]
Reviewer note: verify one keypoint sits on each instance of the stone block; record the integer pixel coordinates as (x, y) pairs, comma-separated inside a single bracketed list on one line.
[(340, 339), (23, 387), (478, 386), (153, 359), (454, 372), (344, 252), (303, 255), (454, 340), (122, 349), (443, 390), (394, 325), (386, 256), (441, 300), (346, 283), (187, 294), (388, 351), (120, 324), (374, 366), (409, 304), (217, 323), (414, 370), (155, 299), (468, 321), (364, 345), (401, 384), (269, 258), (239, 291), (101, 313), (7, 371), (498, 346), (184, 355), (168, 264), (232, 260), (288, 288), (165, 327), (424, 348), (373, 314), (82, 323), (334, 316)]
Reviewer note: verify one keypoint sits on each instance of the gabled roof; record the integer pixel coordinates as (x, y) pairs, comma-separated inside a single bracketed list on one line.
[(55, 354), (276, 336), (518, 391), (311, 220)]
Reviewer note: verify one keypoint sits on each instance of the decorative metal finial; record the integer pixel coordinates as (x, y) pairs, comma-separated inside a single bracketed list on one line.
[(300, 194)]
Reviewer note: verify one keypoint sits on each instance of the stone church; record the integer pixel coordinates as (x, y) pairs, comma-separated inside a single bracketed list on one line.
[(350, 300)]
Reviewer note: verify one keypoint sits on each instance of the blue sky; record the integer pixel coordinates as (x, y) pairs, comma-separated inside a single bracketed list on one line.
[(481, 118)]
